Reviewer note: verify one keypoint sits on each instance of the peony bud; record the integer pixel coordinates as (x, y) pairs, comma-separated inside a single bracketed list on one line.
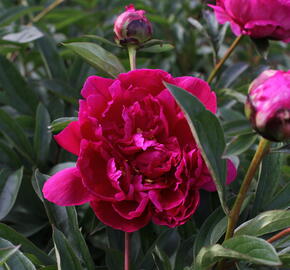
[(268, 105), (132, 27)]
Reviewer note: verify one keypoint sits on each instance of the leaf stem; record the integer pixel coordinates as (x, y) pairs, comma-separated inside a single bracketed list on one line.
[(132, 56), (127, 251), (225, 57), (45, 11), (263, 148)]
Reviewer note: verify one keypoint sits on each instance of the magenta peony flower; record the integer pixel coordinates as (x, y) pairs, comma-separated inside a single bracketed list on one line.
[(137, 159), (256, 18), (268, 105), (132, 27)]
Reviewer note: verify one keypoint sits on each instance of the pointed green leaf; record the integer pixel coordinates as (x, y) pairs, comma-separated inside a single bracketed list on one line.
[(5, 253), (158, 48), (262, 46), (264, 223), (98, 57), (208, 134), (18, 261), (59, 124), (26, 246), (65, 256), (9, 188), (42, 135), (19, 94), (53, 62), (16, 135), (251, 249)]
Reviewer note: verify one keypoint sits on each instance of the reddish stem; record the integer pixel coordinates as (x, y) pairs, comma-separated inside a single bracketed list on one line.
[(279, 235), (127, 251)]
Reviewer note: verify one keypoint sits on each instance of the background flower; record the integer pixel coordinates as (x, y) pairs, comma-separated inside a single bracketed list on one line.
[(256, 18), (137, 159), (268, 104)]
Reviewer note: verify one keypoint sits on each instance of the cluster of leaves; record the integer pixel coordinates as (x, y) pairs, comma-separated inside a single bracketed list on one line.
[(40, 81)]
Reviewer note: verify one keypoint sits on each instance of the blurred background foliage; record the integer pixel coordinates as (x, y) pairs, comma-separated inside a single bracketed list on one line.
[(40, 81)]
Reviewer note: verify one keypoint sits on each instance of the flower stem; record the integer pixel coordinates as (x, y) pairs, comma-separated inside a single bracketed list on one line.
[(222, 61), (127, 251), (132, 56), (262, 149)]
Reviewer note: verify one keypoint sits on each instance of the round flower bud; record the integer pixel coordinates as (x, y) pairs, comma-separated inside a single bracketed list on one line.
[(132, 27), (268, 105)]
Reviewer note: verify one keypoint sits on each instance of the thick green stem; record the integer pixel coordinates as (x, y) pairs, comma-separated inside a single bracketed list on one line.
[(262, 149), (132, 56), (222, 61)]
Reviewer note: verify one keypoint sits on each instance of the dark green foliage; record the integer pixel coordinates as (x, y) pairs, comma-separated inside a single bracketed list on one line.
[(41, 74)]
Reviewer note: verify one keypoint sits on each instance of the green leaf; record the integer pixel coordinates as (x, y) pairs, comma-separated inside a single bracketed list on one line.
[(268, 181), (283, 149), (15, 134), (78, 241), (262, 46), (65, 218), (9, 188), (26, 246), (103, 40), (168, 241), (251, 249), (159, 48), (281, 199), (161, 260), (205, 235), (264, 223), (27, 34), (20, 96), (53, 62), (5, 253), (42, 135), (232, 73), (285, 259), (240, 144), (114, 259), (61, 90), (59, 124), (208, 134), (66, 258), (14, 13), (18, 261), (98, 57)]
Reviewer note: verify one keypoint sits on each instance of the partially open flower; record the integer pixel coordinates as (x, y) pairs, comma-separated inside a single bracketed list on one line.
[(132, 27), (268, 105)]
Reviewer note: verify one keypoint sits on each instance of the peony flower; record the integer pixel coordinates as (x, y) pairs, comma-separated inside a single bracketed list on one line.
[(256, 18), (268, 105), (137, 159), (132, 27)]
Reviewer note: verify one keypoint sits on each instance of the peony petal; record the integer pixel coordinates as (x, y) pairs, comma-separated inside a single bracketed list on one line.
[(70, 138), (106, 213), (65, 188), (96, 85), (99, 173), (199, 89)]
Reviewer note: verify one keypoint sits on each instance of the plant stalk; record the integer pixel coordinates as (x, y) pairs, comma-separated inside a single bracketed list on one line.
[(127, 251), (262, 149), (132, 56), (225, 57), (279, 235)]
